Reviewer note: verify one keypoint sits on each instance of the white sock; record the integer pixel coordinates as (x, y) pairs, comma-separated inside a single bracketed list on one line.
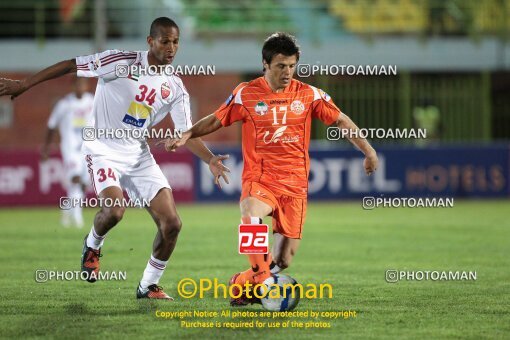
[(153, 272), (276, 269), (253, 220), (75, 191), (66, 218), (95, 241)]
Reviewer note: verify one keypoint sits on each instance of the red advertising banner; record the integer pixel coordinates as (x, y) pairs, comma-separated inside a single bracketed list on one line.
[(25, 180)]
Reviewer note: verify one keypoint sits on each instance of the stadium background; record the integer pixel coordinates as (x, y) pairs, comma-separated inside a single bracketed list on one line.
[(453, 57)]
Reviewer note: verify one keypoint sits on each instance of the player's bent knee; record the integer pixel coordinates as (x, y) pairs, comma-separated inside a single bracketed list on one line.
[(115, 214), (170, 227), (252, 207)]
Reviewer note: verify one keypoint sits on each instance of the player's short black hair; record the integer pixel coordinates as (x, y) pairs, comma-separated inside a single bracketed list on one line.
[(161, 22), (280, 43)]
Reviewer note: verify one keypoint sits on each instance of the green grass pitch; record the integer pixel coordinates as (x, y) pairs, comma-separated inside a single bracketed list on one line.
[(342, 245)]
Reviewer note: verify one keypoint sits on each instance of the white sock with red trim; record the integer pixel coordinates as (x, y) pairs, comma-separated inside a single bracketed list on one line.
[(152, 273), (95, 241)]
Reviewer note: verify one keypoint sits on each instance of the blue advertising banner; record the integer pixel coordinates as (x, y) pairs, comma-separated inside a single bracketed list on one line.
[(448, 171)]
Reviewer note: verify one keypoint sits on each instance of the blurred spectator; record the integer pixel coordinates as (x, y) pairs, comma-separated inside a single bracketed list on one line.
[(427, 116), (70, 115)]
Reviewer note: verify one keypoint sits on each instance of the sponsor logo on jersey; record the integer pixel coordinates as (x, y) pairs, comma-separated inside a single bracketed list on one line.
[(79, 122), (261, 108), (165, 90), (137, 114), (297, 107), (279, 137), (324, 95), (276, 135), (229, 99), (279, 101)]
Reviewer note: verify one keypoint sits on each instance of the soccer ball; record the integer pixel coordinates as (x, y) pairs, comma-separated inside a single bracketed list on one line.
[(287, 299)]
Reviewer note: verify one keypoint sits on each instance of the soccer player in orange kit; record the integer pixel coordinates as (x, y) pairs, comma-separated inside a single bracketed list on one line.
[(276, 112)]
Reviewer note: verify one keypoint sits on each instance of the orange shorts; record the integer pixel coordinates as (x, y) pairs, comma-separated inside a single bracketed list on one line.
[(288, 212)]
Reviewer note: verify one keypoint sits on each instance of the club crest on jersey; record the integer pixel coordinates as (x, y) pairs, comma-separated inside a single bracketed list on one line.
[(261, 108), (297, 107), (137, 114), (324, 95), (165, 90)]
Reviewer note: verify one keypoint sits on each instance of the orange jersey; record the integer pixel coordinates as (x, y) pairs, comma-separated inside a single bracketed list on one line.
[(276, 131)]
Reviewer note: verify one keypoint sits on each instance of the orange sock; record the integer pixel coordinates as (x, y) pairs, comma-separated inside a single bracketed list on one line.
[(260, 262), (259, 270)]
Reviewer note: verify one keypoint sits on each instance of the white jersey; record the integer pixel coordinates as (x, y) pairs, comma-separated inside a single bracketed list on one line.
[(70, 115), (133, 102)]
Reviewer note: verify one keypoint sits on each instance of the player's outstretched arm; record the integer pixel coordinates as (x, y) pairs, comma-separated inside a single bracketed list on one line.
[(215, 162), (371, 161), (203, 127), (190, 138), (13, 88)]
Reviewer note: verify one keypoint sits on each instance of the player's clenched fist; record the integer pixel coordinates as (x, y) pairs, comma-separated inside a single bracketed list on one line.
[(9, 87), (370, 163)]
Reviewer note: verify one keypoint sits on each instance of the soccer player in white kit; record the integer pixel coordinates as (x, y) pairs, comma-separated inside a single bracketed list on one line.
[(70, 115), (134, 102)]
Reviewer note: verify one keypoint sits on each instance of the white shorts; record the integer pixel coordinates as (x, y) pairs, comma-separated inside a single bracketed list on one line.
[(140, 177), (75, 166)]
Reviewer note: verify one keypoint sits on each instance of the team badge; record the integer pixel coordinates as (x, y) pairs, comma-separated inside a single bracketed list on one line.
[(297, 107), (261, 108), (165, 90), (325, 95)]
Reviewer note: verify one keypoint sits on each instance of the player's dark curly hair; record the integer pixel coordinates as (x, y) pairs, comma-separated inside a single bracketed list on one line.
[(161, 22), (280, 43)]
